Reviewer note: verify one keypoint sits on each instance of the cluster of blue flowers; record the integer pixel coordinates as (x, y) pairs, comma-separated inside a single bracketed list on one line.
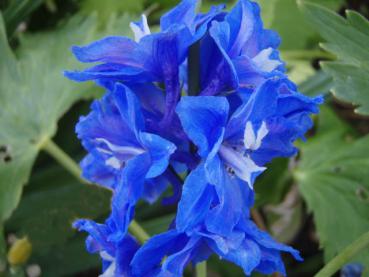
[(219, 124)]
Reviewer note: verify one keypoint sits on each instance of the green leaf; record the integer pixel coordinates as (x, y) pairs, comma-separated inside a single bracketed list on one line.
[(107, 7), (34, 94), (17, 11), (333, 178), (273, 184), (320, 83), (46, 213), (348, 39), (285, 17)]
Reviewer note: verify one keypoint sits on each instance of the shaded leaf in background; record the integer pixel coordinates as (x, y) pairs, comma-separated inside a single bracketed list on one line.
[(108, 7), (333, 178), (18, 10), (348, 39), (273, 184), (46, 214), (34, 95)]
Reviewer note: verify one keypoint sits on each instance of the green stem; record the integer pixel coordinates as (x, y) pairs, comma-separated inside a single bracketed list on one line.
[(72, 167), (345, 256), (63, 159), (201, 269), (306, 55), (138, 231)]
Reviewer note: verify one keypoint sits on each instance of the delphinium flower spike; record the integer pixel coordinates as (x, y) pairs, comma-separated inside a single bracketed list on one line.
[(146, 130)]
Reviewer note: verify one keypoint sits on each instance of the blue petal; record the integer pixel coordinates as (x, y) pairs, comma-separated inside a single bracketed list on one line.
[(112, 72), (217, 70), (153, 188), (247, 255), (96, 172), (109, 49), (175, 264), (242, 23), (197, 196), (160, 150), (149, 257), (128, 192), (183, 13), (129, 108), (98, 236), (232, 197), (203, 118), (126, 249), (261, 105)]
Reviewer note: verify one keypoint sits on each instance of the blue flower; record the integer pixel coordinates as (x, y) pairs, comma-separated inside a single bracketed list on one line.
[(115, 254), (238, 53), (260, 129), (169, 253), (142, 133), (150, 57), (122, 155)]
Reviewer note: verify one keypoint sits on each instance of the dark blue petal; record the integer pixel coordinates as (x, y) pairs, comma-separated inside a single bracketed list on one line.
[(153, 188), (217, 69), (203, 119), (126, 249), (129, 108)]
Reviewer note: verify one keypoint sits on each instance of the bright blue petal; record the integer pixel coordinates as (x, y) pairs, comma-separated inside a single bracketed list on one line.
[(231, 199), (197, 196), (160, 151), (109, 49), (128, 192), (183, 13), (203, 118), (149, 257), (96, 172)]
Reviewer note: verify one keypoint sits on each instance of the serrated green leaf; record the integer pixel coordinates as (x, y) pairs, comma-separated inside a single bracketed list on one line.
[(285, 17), (320, 83), (34, 94), (348, 39), (333, 178)]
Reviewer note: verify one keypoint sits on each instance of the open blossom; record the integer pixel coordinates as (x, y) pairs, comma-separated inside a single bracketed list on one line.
[(147, 129)]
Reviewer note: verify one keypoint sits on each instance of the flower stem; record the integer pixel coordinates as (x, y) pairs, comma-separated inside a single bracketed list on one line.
[(63, 159), (344, 257), (201, 269), (72, 167), (138, 231)]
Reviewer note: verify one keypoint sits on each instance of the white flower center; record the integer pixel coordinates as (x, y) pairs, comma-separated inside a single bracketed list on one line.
[(236, 157)]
